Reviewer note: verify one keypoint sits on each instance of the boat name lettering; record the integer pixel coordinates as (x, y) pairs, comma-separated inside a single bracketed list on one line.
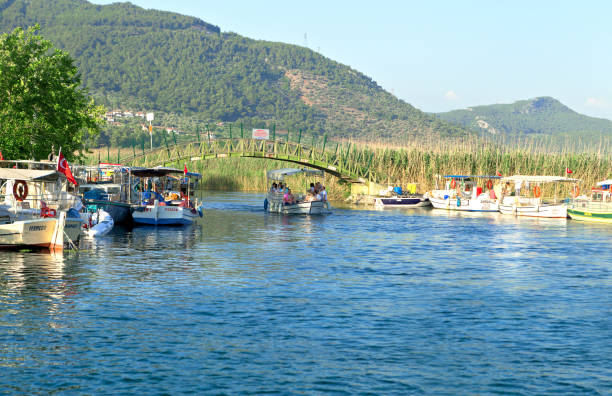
[(171, 209), (37, 228)]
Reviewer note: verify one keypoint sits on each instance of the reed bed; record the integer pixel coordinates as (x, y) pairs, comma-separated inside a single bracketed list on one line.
[(420, 161)]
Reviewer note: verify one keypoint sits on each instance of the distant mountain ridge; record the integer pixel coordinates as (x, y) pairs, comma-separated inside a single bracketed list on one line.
[(134, 58), (541, 115)]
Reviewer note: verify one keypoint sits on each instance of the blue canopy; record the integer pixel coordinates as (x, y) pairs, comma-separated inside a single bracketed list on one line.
[(471, 177)]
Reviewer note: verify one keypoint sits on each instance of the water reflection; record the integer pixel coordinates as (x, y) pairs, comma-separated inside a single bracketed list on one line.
[(421, 301)]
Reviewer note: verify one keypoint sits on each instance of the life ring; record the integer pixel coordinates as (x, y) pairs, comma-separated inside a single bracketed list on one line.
[(489, 184), (575, 191), (20, 190), (453, 183), (537, 191)]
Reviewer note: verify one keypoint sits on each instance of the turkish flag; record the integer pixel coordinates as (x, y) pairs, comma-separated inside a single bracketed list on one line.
[(185, 170), (63, 167), (568, 170)]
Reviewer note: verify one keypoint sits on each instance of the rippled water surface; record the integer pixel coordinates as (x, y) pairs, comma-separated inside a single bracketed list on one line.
[(377, 302)]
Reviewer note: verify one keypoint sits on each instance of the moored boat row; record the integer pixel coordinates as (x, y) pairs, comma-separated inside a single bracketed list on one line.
[(518, 195), (44, 206)]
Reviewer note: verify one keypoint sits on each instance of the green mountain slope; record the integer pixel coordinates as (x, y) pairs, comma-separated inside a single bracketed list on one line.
[(543, 115), (144, 59)]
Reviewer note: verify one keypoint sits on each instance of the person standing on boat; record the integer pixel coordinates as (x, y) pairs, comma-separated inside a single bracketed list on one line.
[(323, 194)]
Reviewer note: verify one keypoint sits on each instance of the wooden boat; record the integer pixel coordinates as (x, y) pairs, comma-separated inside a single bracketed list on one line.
[(462, 193), (597, 207), (527, 200), (36, 212), (274, 202), (175, 207)]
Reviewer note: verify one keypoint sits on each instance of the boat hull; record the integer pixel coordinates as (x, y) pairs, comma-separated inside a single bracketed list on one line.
[(466, 205), (275, 205), (591, 211), (119, 211), (532, 207), (34, 233), (164, 215), (545, 211), (401, 202)]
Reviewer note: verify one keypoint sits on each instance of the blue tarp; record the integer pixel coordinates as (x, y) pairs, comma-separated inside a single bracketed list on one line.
[(96, 194)]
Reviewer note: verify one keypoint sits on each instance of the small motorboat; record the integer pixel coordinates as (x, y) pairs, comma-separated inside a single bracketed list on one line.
[(399, 199), (308, 204), (100, 224)]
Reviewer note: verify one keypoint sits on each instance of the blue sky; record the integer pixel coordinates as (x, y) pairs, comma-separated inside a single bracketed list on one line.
[(442, 55)]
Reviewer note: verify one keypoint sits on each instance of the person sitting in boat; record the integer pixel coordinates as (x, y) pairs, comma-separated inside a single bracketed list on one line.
[(288, 198), (274, 188), (323, 194), (311, 190), (318, 187)]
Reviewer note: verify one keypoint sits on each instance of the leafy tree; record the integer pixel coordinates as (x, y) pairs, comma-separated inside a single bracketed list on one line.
[(41, 102)]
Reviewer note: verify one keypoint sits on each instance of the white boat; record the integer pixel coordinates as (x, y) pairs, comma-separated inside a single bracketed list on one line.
[(594, 208), (304, 204), (462, 193), (527, 198), (36, 212), (175, 208), (99, 223)]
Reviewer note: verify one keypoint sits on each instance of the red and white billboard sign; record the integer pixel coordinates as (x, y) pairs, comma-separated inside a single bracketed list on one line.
[(262, 134)]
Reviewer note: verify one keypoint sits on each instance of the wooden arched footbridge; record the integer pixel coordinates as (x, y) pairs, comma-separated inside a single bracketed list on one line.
[(342, 161)]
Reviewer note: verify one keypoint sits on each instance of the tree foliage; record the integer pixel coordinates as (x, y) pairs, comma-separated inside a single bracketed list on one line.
[(41, 102), (139, 59)]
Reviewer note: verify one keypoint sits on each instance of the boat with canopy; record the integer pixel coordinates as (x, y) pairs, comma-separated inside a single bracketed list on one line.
[(527, 199), (304, 204), (597, 207), (462, 192), (107, 187), (165, 197), (36, 211)]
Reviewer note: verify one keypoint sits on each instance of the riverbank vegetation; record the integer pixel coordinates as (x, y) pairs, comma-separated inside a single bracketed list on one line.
[(420, 161)]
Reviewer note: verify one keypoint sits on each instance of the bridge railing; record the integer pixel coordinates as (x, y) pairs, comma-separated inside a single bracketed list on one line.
[(343, 161)]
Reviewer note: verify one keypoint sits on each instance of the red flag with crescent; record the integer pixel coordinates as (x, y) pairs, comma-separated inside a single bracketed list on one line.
[(63, 167)]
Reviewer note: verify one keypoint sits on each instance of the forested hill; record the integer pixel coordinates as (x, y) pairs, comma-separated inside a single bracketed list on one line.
[(141, 59), (543, 115)]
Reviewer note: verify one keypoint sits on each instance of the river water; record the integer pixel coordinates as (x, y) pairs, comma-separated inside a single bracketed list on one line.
[(357, 302)]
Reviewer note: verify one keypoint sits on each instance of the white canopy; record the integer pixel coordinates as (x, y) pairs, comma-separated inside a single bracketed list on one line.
[(538, 179), (279, 174), (605, 182), (29, 174)]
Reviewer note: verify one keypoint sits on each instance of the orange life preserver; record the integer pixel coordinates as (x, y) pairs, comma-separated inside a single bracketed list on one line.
[(537, 191), (20, 190), (575, 191), (453, 183), (489, 184)]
